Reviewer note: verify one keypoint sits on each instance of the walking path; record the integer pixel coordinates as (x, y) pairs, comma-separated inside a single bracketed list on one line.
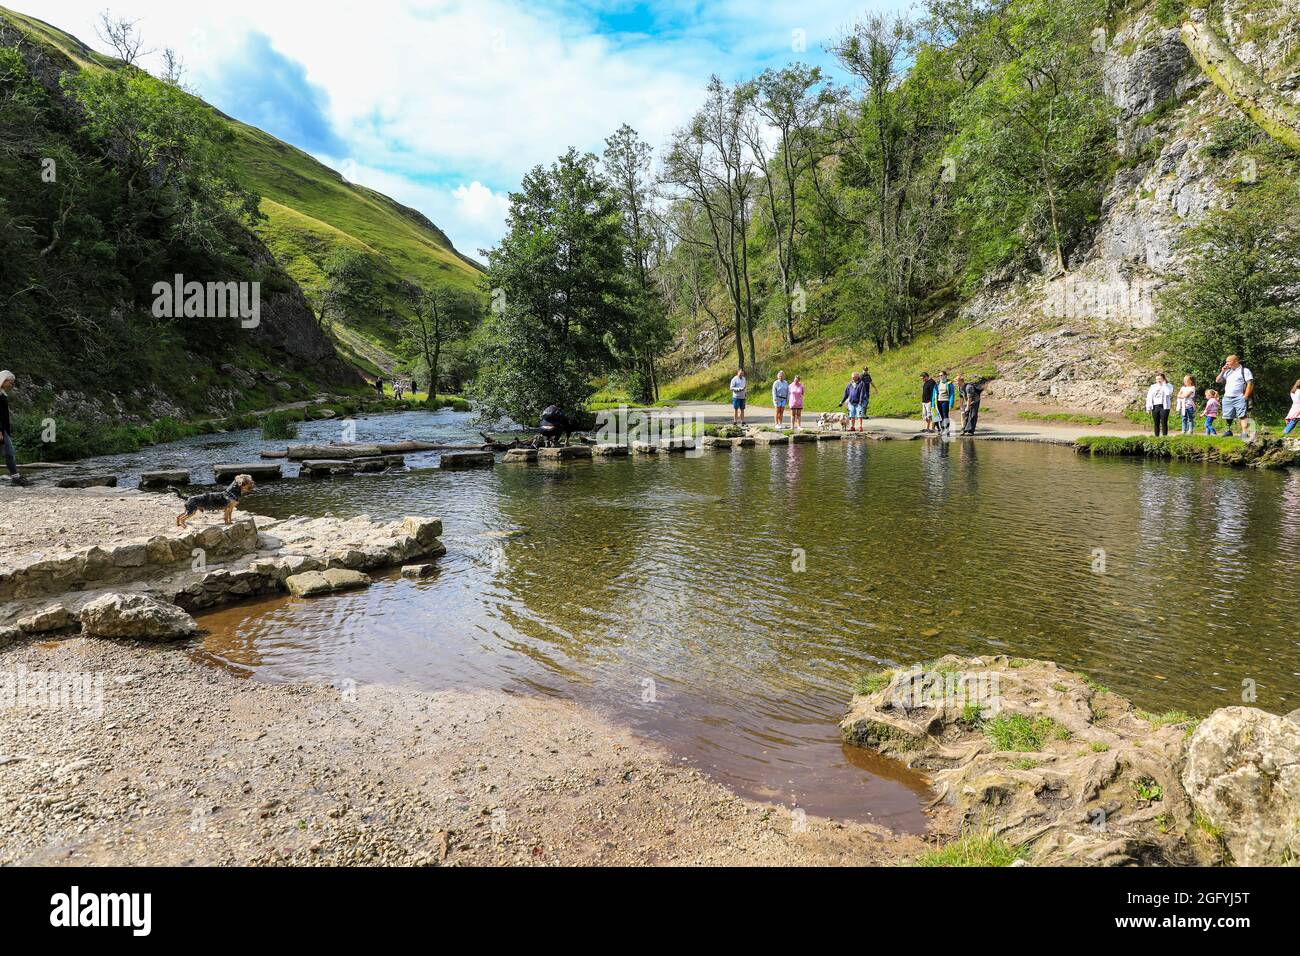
[(993, 423)]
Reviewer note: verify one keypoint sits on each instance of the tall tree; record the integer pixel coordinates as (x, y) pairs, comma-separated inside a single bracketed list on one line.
[(437, 316)]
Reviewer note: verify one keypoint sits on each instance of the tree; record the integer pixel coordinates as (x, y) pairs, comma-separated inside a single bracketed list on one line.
[(1240, 289), (122, 36), (350, 277), (437, 316), (563, 299)]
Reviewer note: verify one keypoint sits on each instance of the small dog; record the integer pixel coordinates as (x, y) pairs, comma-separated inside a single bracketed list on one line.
[(828, 419), (226, 501)]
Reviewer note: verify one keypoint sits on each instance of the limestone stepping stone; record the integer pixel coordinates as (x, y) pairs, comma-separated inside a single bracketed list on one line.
[(327, 468), (726, 444), (258, 470), (645, 448), (564, 452), (417, 571), (771, 438), (803, 438), (164, 479), (829, 436), (89, 481), (311, 583), (467, 459), (677, 444), (610, 451), (521, 454)]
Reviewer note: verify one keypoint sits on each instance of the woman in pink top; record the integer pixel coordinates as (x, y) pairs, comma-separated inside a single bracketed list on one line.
[(796, 403)]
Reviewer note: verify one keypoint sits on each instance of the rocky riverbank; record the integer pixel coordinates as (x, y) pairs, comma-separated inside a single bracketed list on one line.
[(1065, 772)]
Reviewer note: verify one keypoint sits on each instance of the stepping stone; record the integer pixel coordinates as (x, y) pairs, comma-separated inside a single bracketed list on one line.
[(645, 448), (326, 468), (89, 481), (310, 583), (803, 438), (521, 455), (258, 470), (467, 459), (164, 479), (564, 452), (610, 451), (677, 444), (417, 571), (829, 436), (771, 438)]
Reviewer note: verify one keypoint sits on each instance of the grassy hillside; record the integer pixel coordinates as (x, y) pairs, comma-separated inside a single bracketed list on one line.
[(312, 211)]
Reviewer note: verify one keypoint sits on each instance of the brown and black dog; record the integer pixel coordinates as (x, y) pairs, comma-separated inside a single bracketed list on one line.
[(226, 501)]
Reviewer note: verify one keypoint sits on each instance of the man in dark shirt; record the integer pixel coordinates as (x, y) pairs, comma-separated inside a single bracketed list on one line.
[(866, 380), (7, 382), (927, 400), (971, 398), (555, 424)]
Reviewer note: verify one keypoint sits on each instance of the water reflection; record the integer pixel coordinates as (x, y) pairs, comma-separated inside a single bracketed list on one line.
[(663, 591)]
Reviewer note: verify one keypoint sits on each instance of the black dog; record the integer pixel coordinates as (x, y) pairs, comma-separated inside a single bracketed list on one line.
[(225, 501)]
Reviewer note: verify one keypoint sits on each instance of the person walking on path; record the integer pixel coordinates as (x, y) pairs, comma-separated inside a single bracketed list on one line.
[(866, 401), (796, 403), (1160, 398), (855, 393), (7, 381), (970, 396), (1238, 388), (780, 398), (1211, 410), (1293, 416), (944, 395), (927, 401), (1187, 404), (739, 392)]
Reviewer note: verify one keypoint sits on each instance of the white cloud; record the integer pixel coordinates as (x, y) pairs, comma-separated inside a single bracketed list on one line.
[(473, 93)]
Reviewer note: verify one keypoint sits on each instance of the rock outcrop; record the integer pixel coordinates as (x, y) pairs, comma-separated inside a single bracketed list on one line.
[(136, 616), (1039, 756), (1243, 776)]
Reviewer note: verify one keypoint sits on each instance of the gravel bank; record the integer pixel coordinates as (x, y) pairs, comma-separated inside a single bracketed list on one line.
[(178, 763)]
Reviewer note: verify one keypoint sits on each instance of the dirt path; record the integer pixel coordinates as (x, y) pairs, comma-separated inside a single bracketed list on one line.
[(175, 762)]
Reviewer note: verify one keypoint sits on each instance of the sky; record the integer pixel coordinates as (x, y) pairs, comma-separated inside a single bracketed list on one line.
[(445, 104)]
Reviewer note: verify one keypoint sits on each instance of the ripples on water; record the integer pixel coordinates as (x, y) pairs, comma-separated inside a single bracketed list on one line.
[(675, 576)]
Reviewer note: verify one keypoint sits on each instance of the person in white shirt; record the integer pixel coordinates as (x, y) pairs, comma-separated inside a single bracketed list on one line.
[(1160, 398), (739, 391), (1238, 387), (1186, 403)]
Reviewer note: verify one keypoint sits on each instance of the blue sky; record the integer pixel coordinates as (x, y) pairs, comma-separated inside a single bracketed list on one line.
[(445, 104)]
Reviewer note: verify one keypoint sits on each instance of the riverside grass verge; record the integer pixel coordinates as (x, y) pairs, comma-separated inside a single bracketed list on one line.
[(1263, 453)]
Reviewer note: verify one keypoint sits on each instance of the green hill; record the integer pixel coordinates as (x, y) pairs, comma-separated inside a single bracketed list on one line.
[(312, 213)]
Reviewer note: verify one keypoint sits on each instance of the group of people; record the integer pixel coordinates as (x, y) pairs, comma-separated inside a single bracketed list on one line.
[(939, 399), (1232, 404)]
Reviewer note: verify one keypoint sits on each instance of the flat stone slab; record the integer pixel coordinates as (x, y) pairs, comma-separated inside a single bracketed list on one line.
[(311, 583), (770, 438), (521, 454), (645, 448), (327, 468), (417, 571), (467, 459), (89, 481), (164, 479), (802, 438), (564, 452), (726, 444), (256, 469), (610, 451), (677, 444), (829, 436)]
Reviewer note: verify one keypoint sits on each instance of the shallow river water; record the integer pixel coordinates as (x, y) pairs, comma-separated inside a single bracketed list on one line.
[(722, 605)]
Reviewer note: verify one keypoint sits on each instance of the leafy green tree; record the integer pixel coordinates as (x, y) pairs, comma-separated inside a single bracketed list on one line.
[(563, 300), (1240, 288), (437, 316)]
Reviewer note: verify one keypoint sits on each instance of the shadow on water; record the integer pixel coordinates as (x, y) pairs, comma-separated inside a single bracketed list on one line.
[(665, 592)]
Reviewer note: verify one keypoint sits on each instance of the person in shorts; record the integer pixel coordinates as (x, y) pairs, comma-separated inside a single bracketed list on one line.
[(780, 398), (739, 392), (927, 401), (1238, 387)]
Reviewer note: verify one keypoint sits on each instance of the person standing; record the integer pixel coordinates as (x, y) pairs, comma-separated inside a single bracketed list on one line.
[(1293, 416), (866, 401), (970, 396), (379, 386), (7, 381), (944, 395), (1212, 409), (1238, 388), (1160, 398), (796, 403), (739, 392), (927, 401), (1186, 400), (855, 395), (780, 398)]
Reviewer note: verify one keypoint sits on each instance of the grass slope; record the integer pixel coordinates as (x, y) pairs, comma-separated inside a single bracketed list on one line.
[(311, 210), (825, 368)]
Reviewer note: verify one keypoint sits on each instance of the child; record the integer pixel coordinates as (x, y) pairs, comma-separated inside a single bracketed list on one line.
[(796, 403), (1293, 416), (1211, 410), (1187, 404)]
